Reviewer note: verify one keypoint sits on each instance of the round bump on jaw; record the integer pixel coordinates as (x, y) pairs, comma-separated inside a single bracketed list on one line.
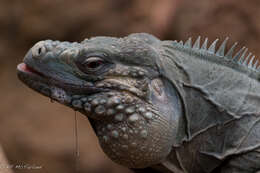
[(46, 91), (100, 85), (143, 149), (100, 110), (125, 72), (133, 118), (106, 139), (141, 73), (141, 109), (125, 136), (144, 134), (113, 101), (95, 102), (76, 97), (84, 99), (118, 71), (99, 133), (122, 87), (133, 144), (115, 134), (109, 126), (124, 147), (130, 110), (111, 112), (148, 115), (123, 129), (108, 85), (129, 99), (38, 49), (110, 94), (102, 101), (120, 107), (77, 104), (87, 107), (133, 74), (119, 117)]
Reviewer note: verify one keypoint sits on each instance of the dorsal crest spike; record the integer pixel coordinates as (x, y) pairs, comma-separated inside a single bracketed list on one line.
[(197, 43), (238, 54), (255, 65), (221, 50), (247, 59), (213, 46), (188, 43), (250, 64), (205, 44), (229, 54), (242, 57)]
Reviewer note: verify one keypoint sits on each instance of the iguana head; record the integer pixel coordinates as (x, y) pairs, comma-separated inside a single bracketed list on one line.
[(117, 84)]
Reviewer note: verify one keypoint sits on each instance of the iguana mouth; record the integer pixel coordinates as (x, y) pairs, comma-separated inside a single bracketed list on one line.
[(24, 68), (26, 71), (51, 87)]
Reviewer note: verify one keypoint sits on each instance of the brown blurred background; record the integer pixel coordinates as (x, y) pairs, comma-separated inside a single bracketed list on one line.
[(39, 134)]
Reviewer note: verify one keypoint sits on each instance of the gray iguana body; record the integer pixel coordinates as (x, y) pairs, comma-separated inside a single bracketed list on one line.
[(159, 104)]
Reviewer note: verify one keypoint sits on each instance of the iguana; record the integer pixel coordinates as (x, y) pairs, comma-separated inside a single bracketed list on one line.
[(159, 105)]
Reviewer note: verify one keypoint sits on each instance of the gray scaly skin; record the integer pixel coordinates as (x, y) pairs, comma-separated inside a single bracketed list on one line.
[(162, 105)]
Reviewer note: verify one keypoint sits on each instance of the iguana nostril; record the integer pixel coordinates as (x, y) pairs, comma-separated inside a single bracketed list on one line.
[(38, 49)]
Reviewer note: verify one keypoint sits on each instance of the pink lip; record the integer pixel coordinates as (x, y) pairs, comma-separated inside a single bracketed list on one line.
[(24, 68)]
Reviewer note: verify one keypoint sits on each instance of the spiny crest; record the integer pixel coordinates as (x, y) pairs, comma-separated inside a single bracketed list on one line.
[(241, 57)]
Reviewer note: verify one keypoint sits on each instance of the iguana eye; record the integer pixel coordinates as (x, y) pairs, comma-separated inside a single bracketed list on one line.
[(93, 63)]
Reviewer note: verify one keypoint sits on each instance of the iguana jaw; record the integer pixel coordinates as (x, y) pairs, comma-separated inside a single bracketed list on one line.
[(39, 83), (54, 89)]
